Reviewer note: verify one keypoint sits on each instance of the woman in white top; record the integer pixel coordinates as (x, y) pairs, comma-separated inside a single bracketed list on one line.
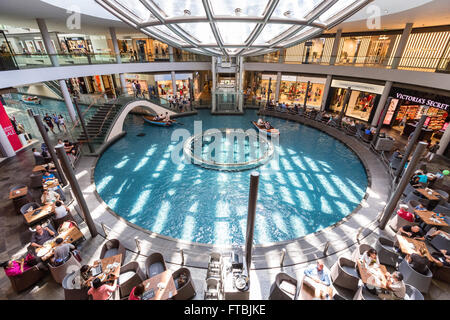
[(370, 258), (50, 196), (60, 210)]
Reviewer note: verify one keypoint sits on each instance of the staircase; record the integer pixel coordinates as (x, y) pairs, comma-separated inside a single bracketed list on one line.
[(54, 87), (99, 124)]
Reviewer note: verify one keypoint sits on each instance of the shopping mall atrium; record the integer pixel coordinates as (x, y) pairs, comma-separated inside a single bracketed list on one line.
[(224, 150)]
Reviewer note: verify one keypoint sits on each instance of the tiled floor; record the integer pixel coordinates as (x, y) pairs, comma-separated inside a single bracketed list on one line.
[(14, 236)]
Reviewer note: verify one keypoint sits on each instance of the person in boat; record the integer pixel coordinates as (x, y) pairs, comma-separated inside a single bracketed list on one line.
[(167, 118), (268, 125), (260, 122), (157, 117)]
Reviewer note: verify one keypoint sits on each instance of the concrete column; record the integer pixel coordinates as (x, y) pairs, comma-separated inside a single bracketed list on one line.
[(251, 214), (444, 141), (112, 31), (174, 83), (67, 99), (401, 45), (382, 102), (335, 49), (214, 80), (241, 84), (326, 92), (47, 42), (277, 87), (5, 144), (171, 58)]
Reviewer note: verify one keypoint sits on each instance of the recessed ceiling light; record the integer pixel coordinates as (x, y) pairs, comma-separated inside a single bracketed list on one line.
[(238, 11), (288, 14), (187, 12)]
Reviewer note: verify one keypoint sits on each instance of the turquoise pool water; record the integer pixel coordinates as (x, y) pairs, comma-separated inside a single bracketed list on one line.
[(316, 182)]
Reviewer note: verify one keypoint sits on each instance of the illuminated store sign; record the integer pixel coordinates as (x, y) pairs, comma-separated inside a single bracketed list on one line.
[(422, 101)]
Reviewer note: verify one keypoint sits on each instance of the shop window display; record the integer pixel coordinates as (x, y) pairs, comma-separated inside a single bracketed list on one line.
[(360, 104)]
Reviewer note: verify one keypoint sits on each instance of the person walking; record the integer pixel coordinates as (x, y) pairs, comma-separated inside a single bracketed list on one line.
[(138, 90), (133, 85), (56, 121), (48, 121), (432, 149), (62, 122)]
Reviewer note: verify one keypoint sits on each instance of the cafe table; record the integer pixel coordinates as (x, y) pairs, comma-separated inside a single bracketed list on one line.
[(430, 218), (40, 168), (70, 235), (410, 246), (429, 194), (49, 184), (311, 290), (373, 275), (18, 193), (38, 214), (160, 287), (111, 272)]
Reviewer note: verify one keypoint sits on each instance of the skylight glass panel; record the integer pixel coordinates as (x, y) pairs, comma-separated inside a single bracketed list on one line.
[(176, 8), (295, 9), (200, 31), (235, 32), (136, 8), (338, 7), (247, 7), (270, 31)]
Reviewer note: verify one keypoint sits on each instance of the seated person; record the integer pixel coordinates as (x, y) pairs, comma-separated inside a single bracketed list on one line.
[(420, 207), (414, 232), (419, 261), (48, 176), (405, 214), (41, 236), (167, 117), (396, 287), (181, 280), (441, 258), (260, 122), (50, 196), (318, 274), (14, 268), (62, 252), (137, 292), (397, 154), (267, 125), (85, 276), (101, 291), (36, 153), (60, 210), (370, 258)]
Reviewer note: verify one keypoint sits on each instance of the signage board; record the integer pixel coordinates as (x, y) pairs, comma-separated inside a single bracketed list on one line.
[(359, 86)]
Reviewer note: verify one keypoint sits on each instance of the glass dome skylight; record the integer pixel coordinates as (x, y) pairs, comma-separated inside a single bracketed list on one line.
[(232, 27)]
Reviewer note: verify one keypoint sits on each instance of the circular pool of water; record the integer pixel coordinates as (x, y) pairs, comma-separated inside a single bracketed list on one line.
[(312, 182)]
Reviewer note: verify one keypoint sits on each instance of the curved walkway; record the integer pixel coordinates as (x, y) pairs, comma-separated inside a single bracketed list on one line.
[(310, 247)]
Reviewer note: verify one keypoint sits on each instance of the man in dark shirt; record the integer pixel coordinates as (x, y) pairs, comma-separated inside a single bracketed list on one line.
[(48, 121), (414, 232), (41, 235), (419, 262)]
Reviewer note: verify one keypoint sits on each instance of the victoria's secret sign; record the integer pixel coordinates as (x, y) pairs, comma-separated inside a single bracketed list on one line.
[(422, 98)]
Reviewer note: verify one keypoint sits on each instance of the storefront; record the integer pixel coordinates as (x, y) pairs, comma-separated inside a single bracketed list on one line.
[(363, 100), (408, 106), (261, 86), (77, 45), (293, 90)]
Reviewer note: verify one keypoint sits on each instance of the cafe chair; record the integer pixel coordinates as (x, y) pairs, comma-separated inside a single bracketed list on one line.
[(395, 163), (187, 291), (412, 293), (215, 258), (130, 276), (386, 252), (212, 291), (25, 207), (359, 251), (27, 279), (441, 273), (36, 180), (439, 242), (417, 197), (444, 197), (58, 222), (412, 277), (409, 188), (59, 272), (343, 274), (397, 222), (413, 204), (284, 287), (111, 248), (154, 265), (363, 294), (40, 160), (72, 289), (443, 209)]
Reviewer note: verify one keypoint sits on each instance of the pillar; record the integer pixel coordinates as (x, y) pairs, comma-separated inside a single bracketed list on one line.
[(382, 102), (401, 45), (277, 87), (47, 42), (444, 141), (213, 89), (326, 92), (54, 59), (241, 83), (112, 31), (251, 214), (335, 49), (5, 144), (67, 99)]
